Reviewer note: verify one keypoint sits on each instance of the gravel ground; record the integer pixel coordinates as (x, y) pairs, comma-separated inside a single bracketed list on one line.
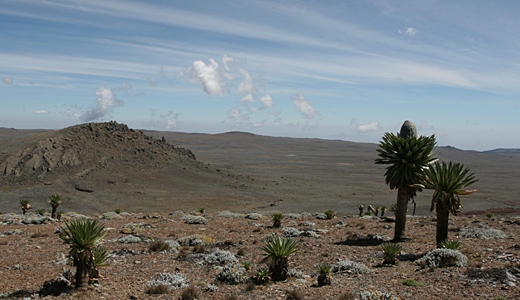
[(33, 254)]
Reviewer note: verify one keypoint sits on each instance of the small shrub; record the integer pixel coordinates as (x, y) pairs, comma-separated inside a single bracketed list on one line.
[(129, 239), (246, 265), (440, 258), (294, 295), (324, 276), (117, 211), (350, 266), (291, 232), (202, 210), (41, 212), (376, 295), (190, 293), (390, 253), (219, 257), (489, 215), (411, 282), (277, 220), (158, 246), (163, 283), (453, 245), (194, 219), (484, 232), (329, 214), (38, 235), (347, 296), (261, 276), (232, 273)]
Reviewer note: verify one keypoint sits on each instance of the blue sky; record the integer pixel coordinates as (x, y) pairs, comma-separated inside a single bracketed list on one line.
[(348, 70)]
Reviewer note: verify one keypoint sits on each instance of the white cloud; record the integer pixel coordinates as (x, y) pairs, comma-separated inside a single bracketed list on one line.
[(236, 114), (267, 101), (247, 85), (7, 80), (304, 106), (41, 112), (409, 31), (368, 127), (172, 122), (106, 102), (208, 75), (247, 99)]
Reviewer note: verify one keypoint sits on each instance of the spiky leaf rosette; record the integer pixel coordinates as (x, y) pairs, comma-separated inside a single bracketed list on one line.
[(82, 235), (406, 157), (448, 181), (279, 247)]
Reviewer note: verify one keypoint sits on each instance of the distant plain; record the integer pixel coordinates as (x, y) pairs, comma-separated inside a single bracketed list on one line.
[(244, 172)]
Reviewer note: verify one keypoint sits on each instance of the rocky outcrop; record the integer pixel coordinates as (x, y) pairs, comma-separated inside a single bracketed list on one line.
[(93, 145)]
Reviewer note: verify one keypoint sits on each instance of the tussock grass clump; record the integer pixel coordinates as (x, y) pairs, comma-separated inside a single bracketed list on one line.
[(158, 246)]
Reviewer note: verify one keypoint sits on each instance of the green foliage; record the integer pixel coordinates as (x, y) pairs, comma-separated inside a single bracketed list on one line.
[(202, 210), (448, 182), (330, 214), (261, 276), (26, 205), (117, 211), (406, 158), (453, 245), (41, 212), (325, 268), (411, 282), (246, 265), (101, 256), (489, 215), (393, 208), (390, 253), (83, 236), (277, 220), (277, 250), (279, 247)]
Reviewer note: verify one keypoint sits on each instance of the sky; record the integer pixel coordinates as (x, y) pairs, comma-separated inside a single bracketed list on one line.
[(349, 70)]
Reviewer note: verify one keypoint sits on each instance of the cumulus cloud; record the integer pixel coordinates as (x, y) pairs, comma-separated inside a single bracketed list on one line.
[(7, 80), (267, 101), (208, 75), (171, 120), (236, 114), (408, 31), (368, 127), (41, 112), (304, 106), (246, 86), (106, 102), (247, 99)]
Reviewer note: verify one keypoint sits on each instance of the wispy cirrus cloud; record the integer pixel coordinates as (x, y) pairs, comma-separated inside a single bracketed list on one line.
[(41, 112), (7, 80)]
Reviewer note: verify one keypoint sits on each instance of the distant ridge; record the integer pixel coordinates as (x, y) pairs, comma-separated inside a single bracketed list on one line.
[(503, 151)]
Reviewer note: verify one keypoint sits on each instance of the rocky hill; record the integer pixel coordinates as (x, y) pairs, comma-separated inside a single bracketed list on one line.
[(79, 149)]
